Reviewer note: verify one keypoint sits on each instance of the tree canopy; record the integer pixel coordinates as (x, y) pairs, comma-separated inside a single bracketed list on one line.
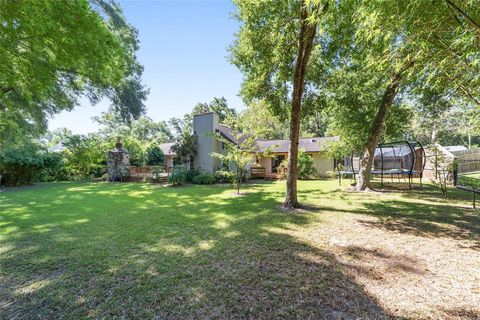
[(54, 52), (367, 63), (275, 49)]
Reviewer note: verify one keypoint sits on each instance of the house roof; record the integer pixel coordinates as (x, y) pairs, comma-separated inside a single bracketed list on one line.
[(166, 148), (315, 144), (455, 148), (227, 133)]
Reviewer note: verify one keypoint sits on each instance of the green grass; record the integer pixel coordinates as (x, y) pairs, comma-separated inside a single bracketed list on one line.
[(470, 180), (76, 250)]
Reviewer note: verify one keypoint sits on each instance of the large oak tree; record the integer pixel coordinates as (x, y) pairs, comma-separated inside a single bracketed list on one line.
[(54, 52)]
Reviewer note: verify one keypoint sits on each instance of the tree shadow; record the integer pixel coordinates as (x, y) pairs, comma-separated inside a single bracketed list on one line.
[(362, 256), (138, 251), (425, 219), (461, 313), (422, 212)]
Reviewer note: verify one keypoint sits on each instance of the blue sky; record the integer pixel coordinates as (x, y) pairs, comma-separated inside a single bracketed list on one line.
[(183, 47)]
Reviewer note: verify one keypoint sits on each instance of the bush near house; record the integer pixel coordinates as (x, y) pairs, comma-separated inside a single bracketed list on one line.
[(225, 176), (154, 155), (305, 166), (204, 178), (181, 175), (178, 176), (220, 176)]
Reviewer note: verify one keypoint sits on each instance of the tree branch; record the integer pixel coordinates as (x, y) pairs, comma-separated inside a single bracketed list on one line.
[(474, 23), (6, 90), (469, 94)]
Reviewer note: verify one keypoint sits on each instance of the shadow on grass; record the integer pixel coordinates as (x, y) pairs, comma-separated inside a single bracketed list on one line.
[(140, 251), (461, 313), (423, 219), (423, 211)]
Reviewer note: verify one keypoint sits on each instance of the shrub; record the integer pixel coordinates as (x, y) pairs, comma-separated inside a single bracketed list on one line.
[(20, 165), (53, 168), (178, 175), (191, 174), (85, 156), (136, 151), (305, 166), (282, 169), (204, 178), (154, 155), (224, 176)]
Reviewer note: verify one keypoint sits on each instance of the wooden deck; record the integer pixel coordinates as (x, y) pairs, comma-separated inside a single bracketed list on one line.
[(147, 174), (257, 172), (260, 173), (272, 176)]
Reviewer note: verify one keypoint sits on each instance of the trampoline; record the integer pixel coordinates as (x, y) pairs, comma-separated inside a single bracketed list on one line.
[(397, 160)]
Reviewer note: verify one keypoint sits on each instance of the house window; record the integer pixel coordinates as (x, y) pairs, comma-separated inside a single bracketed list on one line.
[(276, 162)]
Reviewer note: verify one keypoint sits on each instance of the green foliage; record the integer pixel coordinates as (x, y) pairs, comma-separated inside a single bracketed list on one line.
[(266, 48), (305, 166), (225, 176), (204, 178), (154, 155), (442, 169), (198, 177), (185, 146), (444, 118), (85, 156), (258, 120), (282, 169), (28, 162), (218, 105), (353, 107), (135, 149), (55, 52), (53, 168), (178, 176), (238, 154), (191, 175), (21, 164), (143, 129)]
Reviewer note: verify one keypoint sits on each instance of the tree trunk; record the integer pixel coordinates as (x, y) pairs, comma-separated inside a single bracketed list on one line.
[(307, 35), (363, 181)]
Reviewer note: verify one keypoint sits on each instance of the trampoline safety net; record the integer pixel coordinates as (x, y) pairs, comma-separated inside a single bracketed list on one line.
[(392, 159)]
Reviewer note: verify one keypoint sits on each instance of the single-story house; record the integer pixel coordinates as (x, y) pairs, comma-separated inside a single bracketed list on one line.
[(206, 126), (314, 147)]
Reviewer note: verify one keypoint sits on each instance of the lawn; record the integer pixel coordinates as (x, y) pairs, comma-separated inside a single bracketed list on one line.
[(76, 250), (470, 180)]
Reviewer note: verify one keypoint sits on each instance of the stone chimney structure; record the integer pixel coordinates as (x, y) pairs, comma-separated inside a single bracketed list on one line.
[(118, 163)]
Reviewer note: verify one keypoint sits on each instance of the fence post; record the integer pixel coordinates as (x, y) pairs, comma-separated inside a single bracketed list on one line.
[(455, 176)]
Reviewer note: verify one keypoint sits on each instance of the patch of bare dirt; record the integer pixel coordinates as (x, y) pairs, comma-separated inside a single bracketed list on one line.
[(412, 276)]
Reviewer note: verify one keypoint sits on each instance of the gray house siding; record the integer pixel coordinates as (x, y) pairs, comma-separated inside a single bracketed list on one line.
[(204, 126)]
